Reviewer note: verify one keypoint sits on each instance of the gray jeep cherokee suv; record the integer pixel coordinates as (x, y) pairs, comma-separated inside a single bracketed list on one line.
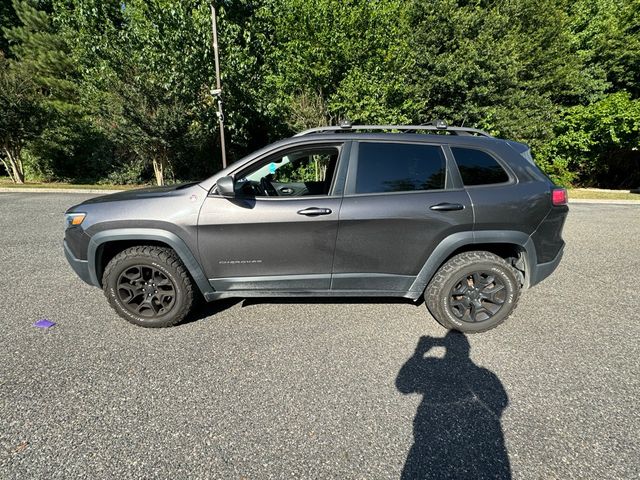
[(452, 214)]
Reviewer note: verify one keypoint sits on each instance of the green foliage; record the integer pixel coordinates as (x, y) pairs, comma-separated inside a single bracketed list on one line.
[(307, 169), (506, 67), (601, 142), (145, 75), (42, 54), (328, 60), (8, 18), (125, 86), (22, 118), (607, 35)]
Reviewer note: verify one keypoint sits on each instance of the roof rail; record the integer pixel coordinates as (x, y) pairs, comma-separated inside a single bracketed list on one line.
[(439, 126)]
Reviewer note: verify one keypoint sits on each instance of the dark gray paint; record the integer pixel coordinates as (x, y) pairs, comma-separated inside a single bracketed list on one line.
[(395, 233), (248, 238), (144, 234), (370, 245)]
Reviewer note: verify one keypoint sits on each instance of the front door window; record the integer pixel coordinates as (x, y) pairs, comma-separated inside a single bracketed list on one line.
[(297, 173)]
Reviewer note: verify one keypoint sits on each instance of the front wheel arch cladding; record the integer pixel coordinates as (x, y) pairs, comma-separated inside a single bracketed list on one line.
[(148, 234)]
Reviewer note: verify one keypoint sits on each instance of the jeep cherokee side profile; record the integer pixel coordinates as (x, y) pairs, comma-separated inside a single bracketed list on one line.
[(450, 214)]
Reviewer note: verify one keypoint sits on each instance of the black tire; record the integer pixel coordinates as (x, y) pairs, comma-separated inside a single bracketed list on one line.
[(148, 286), (473, 292)]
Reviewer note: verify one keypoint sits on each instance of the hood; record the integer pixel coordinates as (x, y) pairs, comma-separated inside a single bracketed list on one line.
[(140, 193)]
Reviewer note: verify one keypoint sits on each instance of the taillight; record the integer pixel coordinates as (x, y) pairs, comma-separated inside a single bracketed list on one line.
[(559, 197)]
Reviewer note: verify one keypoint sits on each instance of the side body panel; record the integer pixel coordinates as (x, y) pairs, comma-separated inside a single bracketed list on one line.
[(245, 243), (384, 240)]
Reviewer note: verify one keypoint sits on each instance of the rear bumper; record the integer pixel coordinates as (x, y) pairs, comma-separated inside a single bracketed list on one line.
[(81, 267), (542, 270)]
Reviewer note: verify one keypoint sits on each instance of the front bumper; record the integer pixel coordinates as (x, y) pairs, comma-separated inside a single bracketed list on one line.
[(81, 267), (542, 270)]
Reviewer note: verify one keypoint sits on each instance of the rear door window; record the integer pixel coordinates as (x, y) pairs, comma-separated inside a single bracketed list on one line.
[(399, 167), (478, 168)]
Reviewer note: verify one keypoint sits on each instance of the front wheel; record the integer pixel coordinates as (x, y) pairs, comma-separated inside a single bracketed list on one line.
[(473, 292), (148, 286)]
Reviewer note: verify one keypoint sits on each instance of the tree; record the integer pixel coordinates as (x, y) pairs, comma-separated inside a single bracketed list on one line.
[(43, 54), (22, 118), (148, 121), (8, 18), (147, 71), (607, 36), (142, 80), (599, 142), (507, 67), (329, 60)]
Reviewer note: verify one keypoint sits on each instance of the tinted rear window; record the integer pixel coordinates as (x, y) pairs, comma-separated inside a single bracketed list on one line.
[(399, 167), (478, 168)]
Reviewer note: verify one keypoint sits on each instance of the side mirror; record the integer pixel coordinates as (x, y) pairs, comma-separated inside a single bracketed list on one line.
[(225, 187)]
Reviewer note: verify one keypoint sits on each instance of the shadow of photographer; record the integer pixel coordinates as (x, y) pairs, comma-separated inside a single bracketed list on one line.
[(457, 429)]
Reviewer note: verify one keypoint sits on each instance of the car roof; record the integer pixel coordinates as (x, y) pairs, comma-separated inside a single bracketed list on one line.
[(402, 137)]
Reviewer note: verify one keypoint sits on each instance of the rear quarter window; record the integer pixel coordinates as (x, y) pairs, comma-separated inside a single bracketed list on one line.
[(478, 168), (399, 167)]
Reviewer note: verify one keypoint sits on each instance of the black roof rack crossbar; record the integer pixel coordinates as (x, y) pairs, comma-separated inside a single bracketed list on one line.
[(404, 128)]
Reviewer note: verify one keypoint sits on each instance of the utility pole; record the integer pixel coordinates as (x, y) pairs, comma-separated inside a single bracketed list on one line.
[(217, 92)]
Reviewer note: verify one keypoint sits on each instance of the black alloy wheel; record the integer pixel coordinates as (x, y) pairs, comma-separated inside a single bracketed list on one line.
[(146, 291), (473, 292), (477, 297), (149, 286)]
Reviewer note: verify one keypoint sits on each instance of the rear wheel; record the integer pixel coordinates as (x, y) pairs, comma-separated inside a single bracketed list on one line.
[(473, 292), (148, 286)]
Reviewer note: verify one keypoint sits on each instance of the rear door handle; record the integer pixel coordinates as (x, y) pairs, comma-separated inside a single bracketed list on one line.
[(446, 207), (314, 211)]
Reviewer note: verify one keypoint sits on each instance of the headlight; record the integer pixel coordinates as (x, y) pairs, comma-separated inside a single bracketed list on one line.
[(74, 219)]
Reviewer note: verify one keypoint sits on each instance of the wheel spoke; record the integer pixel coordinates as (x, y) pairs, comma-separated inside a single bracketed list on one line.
[(132, 274), (460, 289), (493, 299), (146, 291), (142, 306), (473, 311), (494, 289), (486, 282), (467, 316), (491, 294), (147, 307), (476, 309), (165, 289), (463, 302), (130, 290)]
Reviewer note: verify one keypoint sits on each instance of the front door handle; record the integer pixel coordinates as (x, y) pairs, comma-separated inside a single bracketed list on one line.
[(446, 207), (314, 211), (286, 190)]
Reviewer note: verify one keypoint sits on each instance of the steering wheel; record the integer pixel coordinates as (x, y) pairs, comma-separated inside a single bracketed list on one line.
[(268, 188)]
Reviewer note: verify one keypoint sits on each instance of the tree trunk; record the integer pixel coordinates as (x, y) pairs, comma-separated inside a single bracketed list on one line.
[(15, 169), (159, 164)]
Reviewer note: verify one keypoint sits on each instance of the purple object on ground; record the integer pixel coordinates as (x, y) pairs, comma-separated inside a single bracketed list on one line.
[(44, 323)]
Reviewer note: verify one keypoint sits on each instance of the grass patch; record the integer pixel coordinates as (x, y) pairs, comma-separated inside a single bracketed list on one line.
[(5, 182), (599, 194)]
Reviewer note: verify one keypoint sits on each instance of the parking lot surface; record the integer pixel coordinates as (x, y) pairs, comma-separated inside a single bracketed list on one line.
[(319, 389)]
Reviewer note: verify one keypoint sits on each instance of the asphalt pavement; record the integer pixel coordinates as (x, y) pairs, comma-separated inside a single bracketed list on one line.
[(319, 389)]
